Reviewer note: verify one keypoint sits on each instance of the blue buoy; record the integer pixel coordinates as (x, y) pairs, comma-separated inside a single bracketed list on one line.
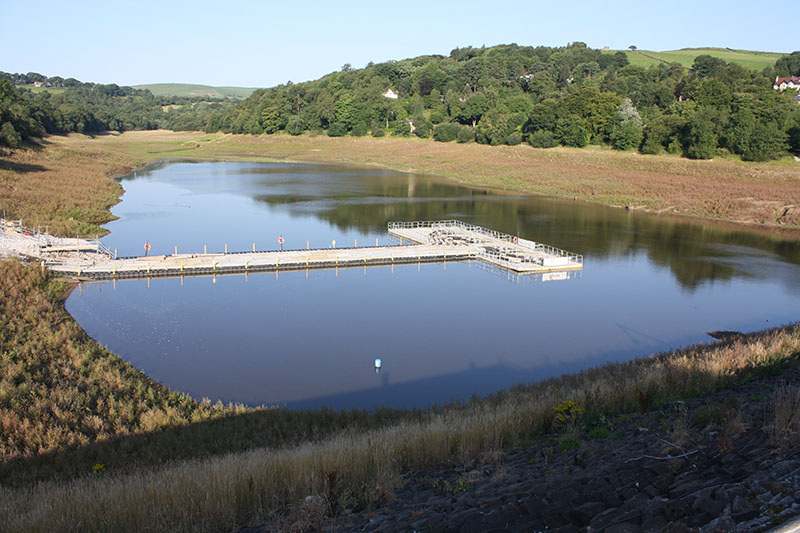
[(377, 366)]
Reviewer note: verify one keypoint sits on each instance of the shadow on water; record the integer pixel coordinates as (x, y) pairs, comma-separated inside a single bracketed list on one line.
[(436, 390), (285, 428), (307, 421)]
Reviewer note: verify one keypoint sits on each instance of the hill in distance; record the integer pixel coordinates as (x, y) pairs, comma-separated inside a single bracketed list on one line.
[(685, 56), (750, 59), (189, 89)]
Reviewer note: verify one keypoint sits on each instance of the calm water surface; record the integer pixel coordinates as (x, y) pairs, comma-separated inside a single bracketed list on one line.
[(443, 332)]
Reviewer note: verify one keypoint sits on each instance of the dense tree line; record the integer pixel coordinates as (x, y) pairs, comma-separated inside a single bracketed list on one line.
[(72, 106), (509, 94)]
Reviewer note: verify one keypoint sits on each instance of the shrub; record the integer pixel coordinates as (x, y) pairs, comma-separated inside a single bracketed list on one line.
[(674, 147), (359, 129), (764, 142), (401, 127), (337, 129), (626, 136), (571, 131), (514, 139), (446, 132), (542, 139), (423, 129), (9, 136), (294, 127), (466, 134), (794, 139)]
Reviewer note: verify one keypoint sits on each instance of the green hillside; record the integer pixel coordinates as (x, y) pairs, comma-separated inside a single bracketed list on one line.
[(189, 89), (36, 90), (685, 56), (572, 95)]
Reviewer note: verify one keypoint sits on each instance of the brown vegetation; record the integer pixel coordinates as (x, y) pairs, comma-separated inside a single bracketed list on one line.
[(62, 187), (58, 387), (785, 426), (751, 193)]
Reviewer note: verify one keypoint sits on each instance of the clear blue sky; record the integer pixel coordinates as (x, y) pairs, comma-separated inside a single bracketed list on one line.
[(261, 44)]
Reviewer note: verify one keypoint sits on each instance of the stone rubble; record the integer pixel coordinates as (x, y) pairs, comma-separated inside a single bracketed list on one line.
[(705, 465)]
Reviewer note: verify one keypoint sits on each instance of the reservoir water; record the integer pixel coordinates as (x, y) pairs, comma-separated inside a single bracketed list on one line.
[(442, 332)]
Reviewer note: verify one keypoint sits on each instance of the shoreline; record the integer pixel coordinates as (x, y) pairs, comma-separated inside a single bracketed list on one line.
[(788, 233), (618, 180)]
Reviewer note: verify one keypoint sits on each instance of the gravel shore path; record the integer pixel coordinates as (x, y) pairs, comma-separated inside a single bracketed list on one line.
[(24, 243)]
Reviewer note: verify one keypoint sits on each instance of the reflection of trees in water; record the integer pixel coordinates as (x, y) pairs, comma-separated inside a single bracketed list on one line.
[(695, 252)]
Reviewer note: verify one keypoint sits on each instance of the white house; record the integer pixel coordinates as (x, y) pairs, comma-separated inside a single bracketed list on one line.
[(781, 84), (391, 94)]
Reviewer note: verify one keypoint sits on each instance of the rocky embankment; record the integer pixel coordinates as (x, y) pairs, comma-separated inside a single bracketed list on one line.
[(718, 463)]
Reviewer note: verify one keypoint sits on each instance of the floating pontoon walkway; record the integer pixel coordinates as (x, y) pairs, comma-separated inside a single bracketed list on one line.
[(507, 251), (430, 242)]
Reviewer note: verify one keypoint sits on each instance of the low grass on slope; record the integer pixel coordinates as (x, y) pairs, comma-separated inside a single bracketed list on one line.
[(189, 89), (685, 56), (51, 90)]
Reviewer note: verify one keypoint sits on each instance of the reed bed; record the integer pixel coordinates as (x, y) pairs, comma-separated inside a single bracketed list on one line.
[(226, 492)]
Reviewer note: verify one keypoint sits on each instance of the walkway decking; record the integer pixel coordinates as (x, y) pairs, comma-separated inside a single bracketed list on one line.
[(507, 251), (429, 242), (271, 261)]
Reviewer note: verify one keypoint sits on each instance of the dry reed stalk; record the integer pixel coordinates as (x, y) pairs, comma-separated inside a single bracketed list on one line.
[(784, 423)]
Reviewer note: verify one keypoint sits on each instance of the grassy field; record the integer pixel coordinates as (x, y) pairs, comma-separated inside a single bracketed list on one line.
[(189, 89), (685, 56), (52, 90), (90, 443)]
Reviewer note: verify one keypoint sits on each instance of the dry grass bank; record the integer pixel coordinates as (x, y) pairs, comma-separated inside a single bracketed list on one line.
[(223, 493), (58, 387), (735, 191), (63, 187)]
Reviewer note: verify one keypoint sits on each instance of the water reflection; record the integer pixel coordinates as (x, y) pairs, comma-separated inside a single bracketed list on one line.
[(693, 250), (441, 331)]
